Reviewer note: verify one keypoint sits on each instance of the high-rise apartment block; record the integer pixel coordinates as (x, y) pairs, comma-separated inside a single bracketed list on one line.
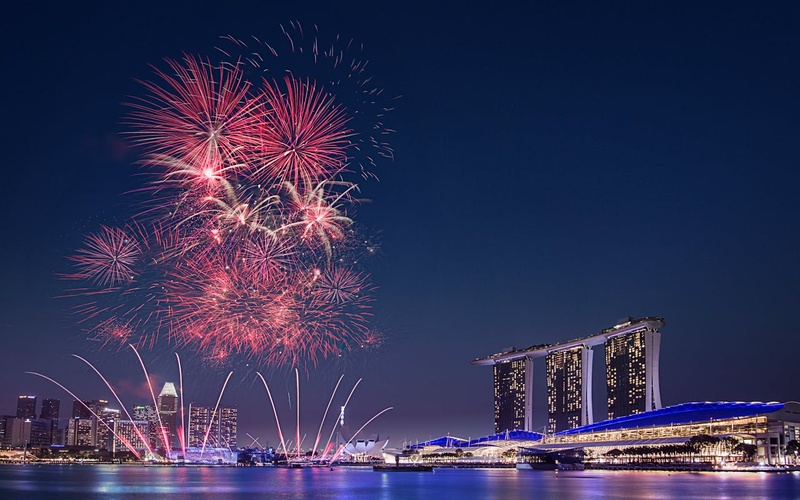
[(135, 433), (199, 417), (228, 427), (215, 429)]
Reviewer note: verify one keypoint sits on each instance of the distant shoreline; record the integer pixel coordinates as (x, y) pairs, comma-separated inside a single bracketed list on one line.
[(589, 467)]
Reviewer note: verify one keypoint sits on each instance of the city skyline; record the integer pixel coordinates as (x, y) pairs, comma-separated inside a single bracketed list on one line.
[(555, 168), (94, 423)]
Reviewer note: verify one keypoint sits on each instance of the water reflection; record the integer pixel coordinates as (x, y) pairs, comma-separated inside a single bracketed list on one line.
[(100, 481)]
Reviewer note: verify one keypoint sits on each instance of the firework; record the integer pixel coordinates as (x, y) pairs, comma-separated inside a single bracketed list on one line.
[(340, 285), (250, 245), (201, 118), (339, 65), (304, 134), (108, 257)]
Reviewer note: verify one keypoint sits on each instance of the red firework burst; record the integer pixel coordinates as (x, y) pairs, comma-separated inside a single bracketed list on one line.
[(108, 258), (114, 332), (304, 134), (215, 307), (199, 123), (339, 285), (267, 256)]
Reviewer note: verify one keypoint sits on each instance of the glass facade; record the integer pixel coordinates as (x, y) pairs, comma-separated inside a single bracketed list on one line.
[(228, 423), (221, 427), (168, 410), (512, 395), (632, 372), (568, 388)]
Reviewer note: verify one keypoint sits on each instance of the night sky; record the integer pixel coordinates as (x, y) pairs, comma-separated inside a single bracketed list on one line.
[(558, 166)]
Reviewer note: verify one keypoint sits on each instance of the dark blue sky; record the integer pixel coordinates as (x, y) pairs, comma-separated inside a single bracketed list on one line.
[(558, 166)]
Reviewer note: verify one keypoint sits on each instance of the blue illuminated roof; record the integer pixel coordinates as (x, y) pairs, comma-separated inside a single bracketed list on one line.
[(444, 442), (685, 413), (507, 436), (454, 442)]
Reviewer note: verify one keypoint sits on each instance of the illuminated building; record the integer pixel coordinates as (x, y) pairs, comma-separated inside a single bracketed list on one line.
[(25, 432), (198, 423), (104, 434), (513, 394), (84, 429), (81, 432), (569, 388), (168, 409), (228, 424), (145, 412), (655, 438), (632, 383), (632, 355), (127, 430), (84, 409), (148, 413), (220, 427), (26, 407)]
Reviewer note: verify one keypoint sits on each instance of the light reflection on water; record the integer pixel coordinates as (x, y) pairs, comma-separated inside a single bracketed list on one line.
[(109, 481)]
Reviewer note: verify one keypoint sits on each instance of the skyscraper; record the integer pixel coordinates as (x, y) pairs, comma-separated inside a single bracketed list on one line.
[(84, 429), (632, 368), (569, 388), (168, 410), (148, 414), (50, 413), (228, 423), (632, 382), (50, 409), (136, 433), (217, 430), (198, 423), (81, 432), (513, 394), (26, 407), (105, 426)]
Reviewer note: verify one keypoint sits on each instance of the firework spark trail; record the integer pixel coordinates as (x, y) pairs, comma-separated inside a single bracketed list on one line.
[(76, 398), (330, 438), (275, 412), (214, 413), (161, 430), (182, 430), (297, 382), (339, 452), (324, 415), (110, 388)]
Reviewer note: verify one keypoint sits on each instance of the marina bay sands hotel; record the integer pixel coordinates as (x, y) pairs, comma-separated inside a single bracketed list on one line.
[(632, 386)]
